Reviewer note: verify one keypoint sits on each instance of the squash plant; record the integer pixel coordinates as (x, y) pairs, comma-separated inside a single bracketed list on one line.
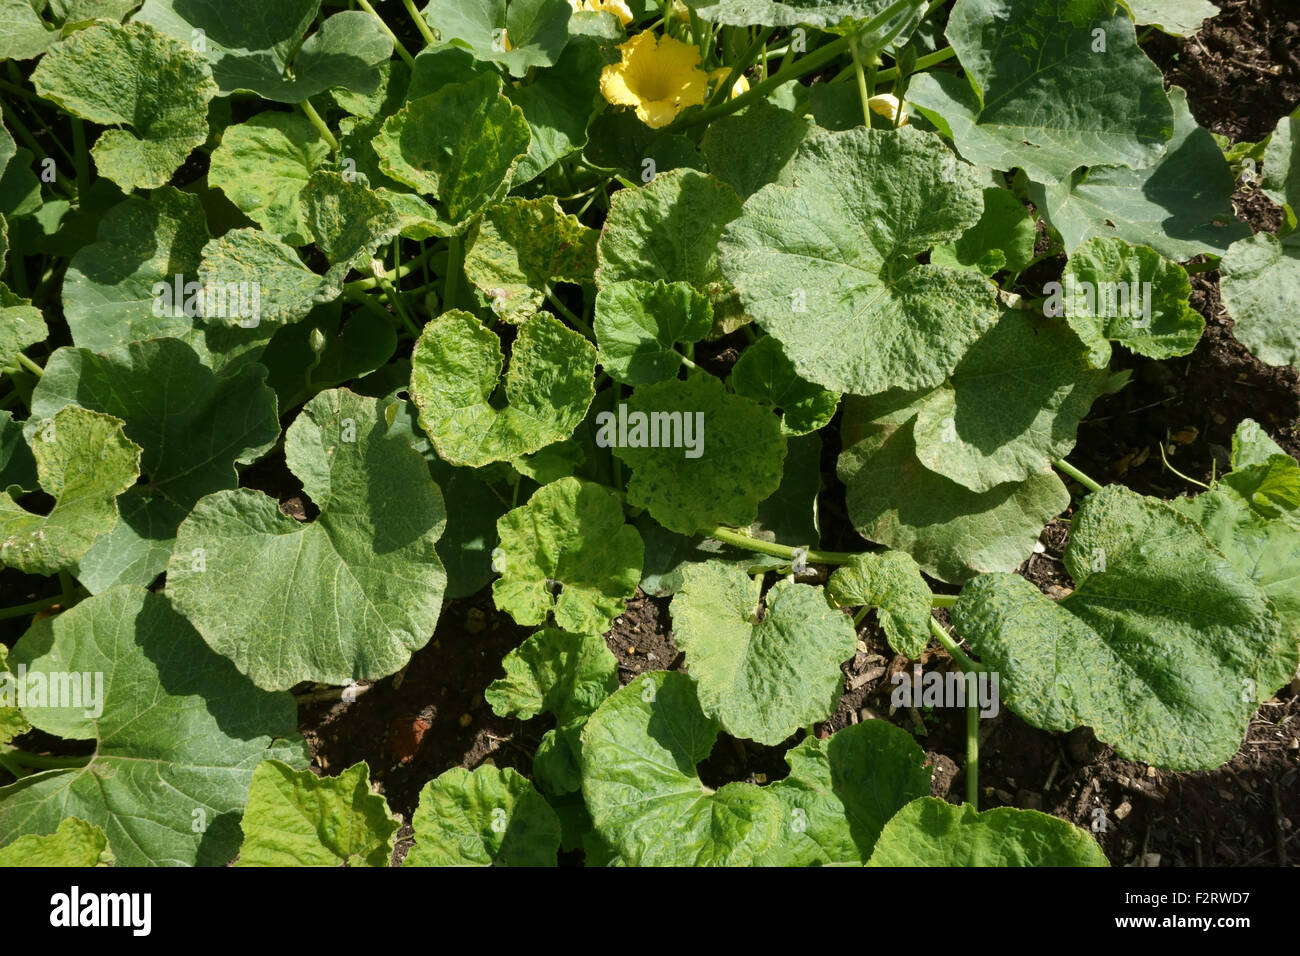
[(446, 268)]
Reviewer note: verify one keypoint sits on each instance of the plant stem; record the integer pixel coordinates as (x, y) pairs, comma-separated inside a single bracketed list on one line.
[(578, 323), (864, 92), (452, 279), (1062, 465), (973, 754), (310, 112), (742, 540), (954, 650), (397, 44), (365, 285), (943, 600), (395, 300), (22, 610), (31, 366), (81, 156), (922, 63), (44, 762), (741, 65), (420, 23)]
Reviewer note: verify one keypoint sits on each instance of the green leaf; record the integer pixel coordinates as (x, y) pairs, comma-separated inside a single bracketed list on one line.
[(257, 260), (762, 680), (363, 343), (1259, 281), (456, 368), (786, 13), (951, 531), (122, 287), (518, 34), (460, 145), (178, 738), (842, 791), (828, 267), (764, 374), (892, 583), (84, 461), (1268, 552), (349, 222), (667, 230), (1180, 206), (12, 722), (571, 534), (519, 247), (1281, 182), (639, 752), (97, 73), (638, 323), (21, 326), (1270, 489), (489, 817), (295, 818), (349, 596), (1179, 18), (17, 464), (74, 843), (1115, 292), (621, 143), (559, 105), (23, 34), (193, 428), (1002, 239), (1012, 405), (264, 48), (736, 444), (263, 165), (729, 144), (1039, 92), (1158, 649), (1252, 446), (929, 832)]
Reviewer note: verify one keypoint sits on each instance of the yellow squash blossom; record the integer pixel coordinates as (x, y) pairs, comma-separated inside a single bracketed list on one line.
[(887, 105), (740, 86), (617, 7), (659, 77)]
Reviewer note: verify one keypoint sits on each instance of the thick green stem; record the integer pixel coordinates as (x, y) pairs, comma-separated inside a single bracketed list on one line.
[(864, 94), (943, 600), (451, 280), (577, 321), (420, 23), (22, 610), (1062, 465), (922, 63), (741, 65), (397, 44), (31, 366), (316, 120), (365, 285), (954, 649), (973, 754), (82, 157), (742, 540)]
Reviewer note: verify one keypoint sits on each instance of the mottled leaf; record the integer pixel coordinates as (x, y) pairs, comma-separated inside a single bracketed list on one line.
[(890, 582)]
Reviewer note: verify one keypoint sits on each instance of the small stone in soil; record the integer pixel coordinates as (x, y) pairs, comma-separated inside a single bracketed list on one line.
[(1123, 810), (465, 720)]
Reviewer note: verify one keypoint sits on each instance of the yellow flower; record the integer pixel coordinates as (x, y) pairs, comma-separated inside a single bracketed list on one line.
[(660, 78), (619, 8), (887, 105), (740, 86)]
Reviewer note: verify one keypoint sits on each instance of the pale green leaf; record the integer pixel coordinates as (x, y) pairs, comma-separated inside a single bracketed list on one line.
[(731, 145), (193, 428), (762, 679), (731, 462), (1158, 649), (75, 843), (295, 818), (638, 323), (1040, 92), (177, 741), (559, 105), (569, 535), (518, 34), (1251, 445), (516, 249), (1259, 280), (639, 752), (488, 817), (929, 832), (890, 582), (21, 326), (1179, 18), (263, 164), (1281, 181), (557, 671), (12, 722), (135, 77), (349, 596), (254, 260), (787, 13), (456, 369), (842, 791), (83, 461), (828, 267), (1002, 239)]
